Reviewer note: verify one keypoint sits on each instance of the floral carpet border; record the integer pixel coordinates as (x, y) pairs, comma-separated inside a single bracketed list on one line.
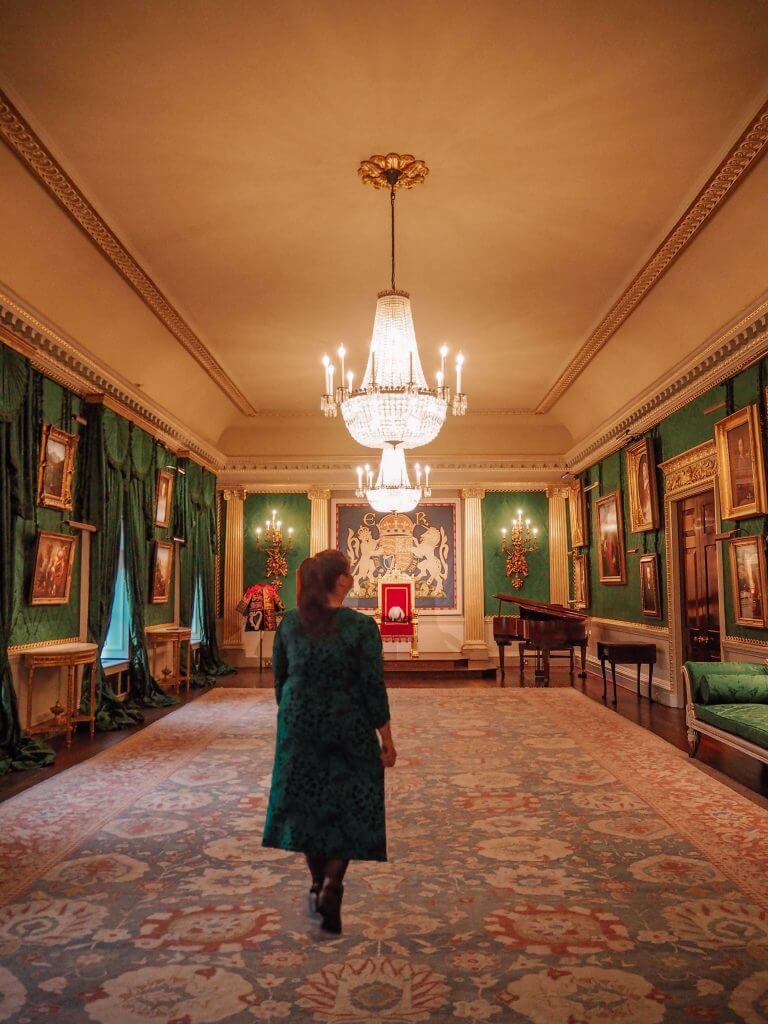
[(41, 825), (729, 830)]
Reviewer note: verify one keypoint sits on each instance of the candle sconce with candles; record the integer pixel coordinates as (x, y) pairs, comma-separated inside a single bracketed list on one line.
[(516, 544), (269, 539)]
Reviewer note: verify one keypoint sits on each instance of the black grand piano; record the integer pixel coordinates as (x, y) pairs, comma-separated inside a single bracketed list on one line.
[(544, 628)]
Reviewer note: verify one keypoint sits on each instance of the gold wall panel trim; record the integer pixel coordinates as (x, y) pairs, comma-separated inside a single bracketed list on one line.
[(22, 140), (642, 627), (742, 157), (697, 466)]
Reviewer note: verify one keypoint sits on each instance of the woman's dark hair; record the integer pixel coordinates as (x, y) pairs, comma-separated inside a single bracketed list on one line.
[(317, 580)]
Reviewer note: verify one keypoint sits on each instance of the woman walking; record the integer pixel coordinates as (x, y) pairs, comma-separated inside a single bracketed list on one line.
[(327, 795)]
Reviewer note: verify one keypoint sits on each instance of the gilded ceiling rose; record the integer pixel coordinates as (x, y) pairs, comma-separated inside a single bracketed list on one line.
[(394, 170)]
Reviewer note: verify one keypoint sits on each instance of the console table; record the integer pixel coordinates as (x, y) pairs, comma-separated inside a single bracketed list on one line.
[(69, 656), (176, 636), (627, 654)]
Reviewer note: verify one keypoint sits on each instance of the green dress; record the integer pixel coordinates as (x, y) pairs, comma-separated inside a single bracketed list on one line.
[(327, 794)]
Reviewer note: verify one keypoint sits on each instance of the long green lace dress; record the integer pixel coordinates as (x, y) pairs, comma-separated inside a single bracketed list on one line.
[(327, 794)]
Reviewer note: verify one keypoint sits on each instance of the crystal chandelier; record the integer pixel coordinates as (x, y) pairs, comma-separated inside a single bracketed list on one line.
[(394, 405), (393, 491)]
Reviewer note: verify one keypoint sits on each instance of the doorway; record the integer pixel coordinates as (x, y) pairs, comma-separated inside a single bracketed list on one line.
[(700, 588)]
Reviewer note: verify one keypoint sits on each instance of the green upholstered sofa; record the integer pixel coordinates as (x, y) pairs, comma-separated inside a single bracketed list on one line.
[(729, 702)]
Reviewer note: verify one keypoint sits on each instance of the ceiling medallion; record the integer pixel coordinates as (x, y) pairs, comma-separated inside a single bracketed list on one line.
[(393, 409)]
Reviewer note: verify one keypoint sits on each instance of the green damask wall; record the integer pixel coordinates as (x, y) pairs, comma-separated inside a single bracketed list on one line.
[(690, 426), (293, 510), (499, 507), (58, 621)]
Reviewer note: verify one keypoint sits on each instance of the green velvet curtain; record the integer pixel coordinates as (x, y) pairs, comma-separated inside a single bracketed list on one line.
[(103, 463), (196, 521), (139, 516), (19, 439)]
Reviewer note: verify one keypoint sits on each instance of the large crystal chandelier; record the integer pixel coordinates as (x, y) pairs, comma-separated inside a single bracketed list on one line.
[(394, 408)]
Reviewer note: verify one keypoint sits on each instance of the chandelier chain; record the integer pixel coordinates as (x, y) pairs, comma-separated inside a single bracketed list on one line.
[(392, 218)]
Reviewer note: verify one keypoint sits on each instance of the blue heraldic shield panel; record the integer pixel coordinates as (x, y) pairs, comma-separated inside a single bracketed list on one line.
[(421, 544)]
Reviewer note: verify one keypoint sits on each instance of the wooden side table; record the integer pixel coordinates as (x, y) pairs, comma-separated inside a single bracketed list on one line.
[(69, 656), (627, 654), (176, 636)]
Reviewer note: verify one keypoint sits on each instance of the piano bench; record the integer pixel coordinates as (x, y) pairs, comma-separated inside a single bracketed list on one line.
[(626, 654)]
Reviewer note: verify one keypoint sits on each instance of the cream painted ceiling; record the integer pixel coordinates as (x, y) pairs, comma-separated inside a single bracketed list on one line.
[(221, 141)]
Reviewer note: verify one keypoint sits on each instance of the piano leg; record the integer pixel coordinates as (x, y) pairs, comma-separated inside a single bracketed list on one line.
[(583, 673), (542, 668), (501, 662)]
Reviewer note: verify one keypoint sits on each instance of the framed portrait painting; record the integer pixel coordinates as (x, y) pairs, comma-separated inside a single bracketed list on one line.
[(643, 497), (163, 497), (609, 526), (577, 514), (52, 573), (740, 467), (747, 557), (56, 468), (650, 597), (580, 582), (162, 572)]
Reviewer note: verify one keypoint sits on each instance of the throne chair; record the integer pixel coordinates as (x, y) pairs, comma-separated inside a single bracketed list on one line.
[(396, 613)]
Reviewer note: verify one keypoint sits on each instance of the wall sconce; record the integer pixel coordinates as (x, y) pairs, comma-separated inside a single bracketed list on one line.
[(522, 541), (270, 540)]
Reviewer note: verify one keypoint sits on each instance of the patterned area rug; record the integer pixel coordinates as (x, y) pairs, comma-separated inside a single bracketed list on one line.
[(550, 862)]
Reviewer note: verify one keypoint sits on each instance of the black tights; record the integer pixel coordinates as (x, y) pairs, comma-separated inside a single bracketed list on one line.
[(322, 870)]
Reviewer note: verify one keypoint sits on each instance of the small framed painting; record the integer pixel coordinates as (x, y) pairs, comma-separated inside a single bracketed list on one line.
[(162, 572), (609, 526), (163, 498), (580, 582), (54, 562), (747, 557), (56, 468), (650, 597), (740, 468), (577, 514), (643, 498)]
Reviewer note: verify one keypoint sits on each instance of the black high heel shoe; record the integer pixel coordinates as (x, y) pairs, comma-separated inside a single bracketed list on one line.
[(329, 907)]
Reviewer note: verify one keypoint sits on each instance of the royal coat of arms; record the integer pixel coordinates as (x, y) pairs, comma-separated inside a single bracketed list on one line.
[(397, 542)]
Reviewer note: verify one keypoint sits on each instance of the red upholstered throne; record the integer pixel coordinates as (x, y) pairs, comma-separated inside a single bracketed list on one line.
[(396, 614)]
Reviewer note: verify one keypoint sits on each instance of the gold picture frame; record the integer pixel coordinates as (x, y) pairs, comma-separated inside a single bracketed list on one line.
[(52, 572), (643, 494), (56, 468), (577, 512), (580, 581), (650, 594), (609, 537), (161, 579), (747, 560), (163, 497), (740, 466)]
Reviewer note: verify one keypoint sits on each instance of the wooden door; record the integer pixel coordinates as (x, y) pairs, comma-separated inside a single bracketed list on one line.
[(700, 597)]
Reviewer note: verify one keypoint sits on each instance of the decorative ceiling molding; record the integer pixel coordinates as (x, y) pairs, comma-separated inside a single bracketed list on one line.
[(731, 172), (22, 140), (731, 350), (305, 414), (253, 463), (63, 360)]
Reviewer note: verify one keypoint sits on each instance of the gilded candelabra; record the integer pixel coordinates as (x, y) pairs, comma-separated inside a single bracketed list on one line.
[(275, 548), (522, 541)]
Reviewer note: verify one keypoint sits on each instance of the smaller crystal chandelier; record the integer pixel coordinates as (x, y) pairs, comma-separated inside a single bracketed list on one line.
[(393, 491), (524, 540), (275, 548)]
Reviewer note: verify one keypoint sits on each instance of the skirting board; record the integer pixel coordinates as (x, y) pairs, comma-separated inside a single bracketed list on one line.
[(626, 677)]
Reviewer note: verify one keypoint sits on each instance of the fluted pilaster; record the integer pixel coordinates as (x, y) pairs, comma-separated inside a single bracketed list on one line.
[(319, 538), (474, 645), (234, 547), (559, 584)]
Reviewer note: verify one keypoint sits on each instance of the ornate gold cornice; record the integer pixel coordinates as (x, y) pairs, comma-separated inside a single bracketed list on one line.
[(742, 157), (730, 351), (22, 140), (64, 361), (696, 466)]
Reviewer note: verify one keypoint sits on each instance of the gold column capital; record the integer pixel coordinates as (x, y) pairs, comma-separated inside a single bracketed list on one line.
[(472, 492), (234, 494), (319, 494), (557, 492)]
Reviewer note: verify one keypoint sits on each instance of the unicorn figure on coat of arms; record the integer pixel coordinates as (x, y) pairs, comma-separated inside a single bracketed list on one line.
[(398, 543)]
